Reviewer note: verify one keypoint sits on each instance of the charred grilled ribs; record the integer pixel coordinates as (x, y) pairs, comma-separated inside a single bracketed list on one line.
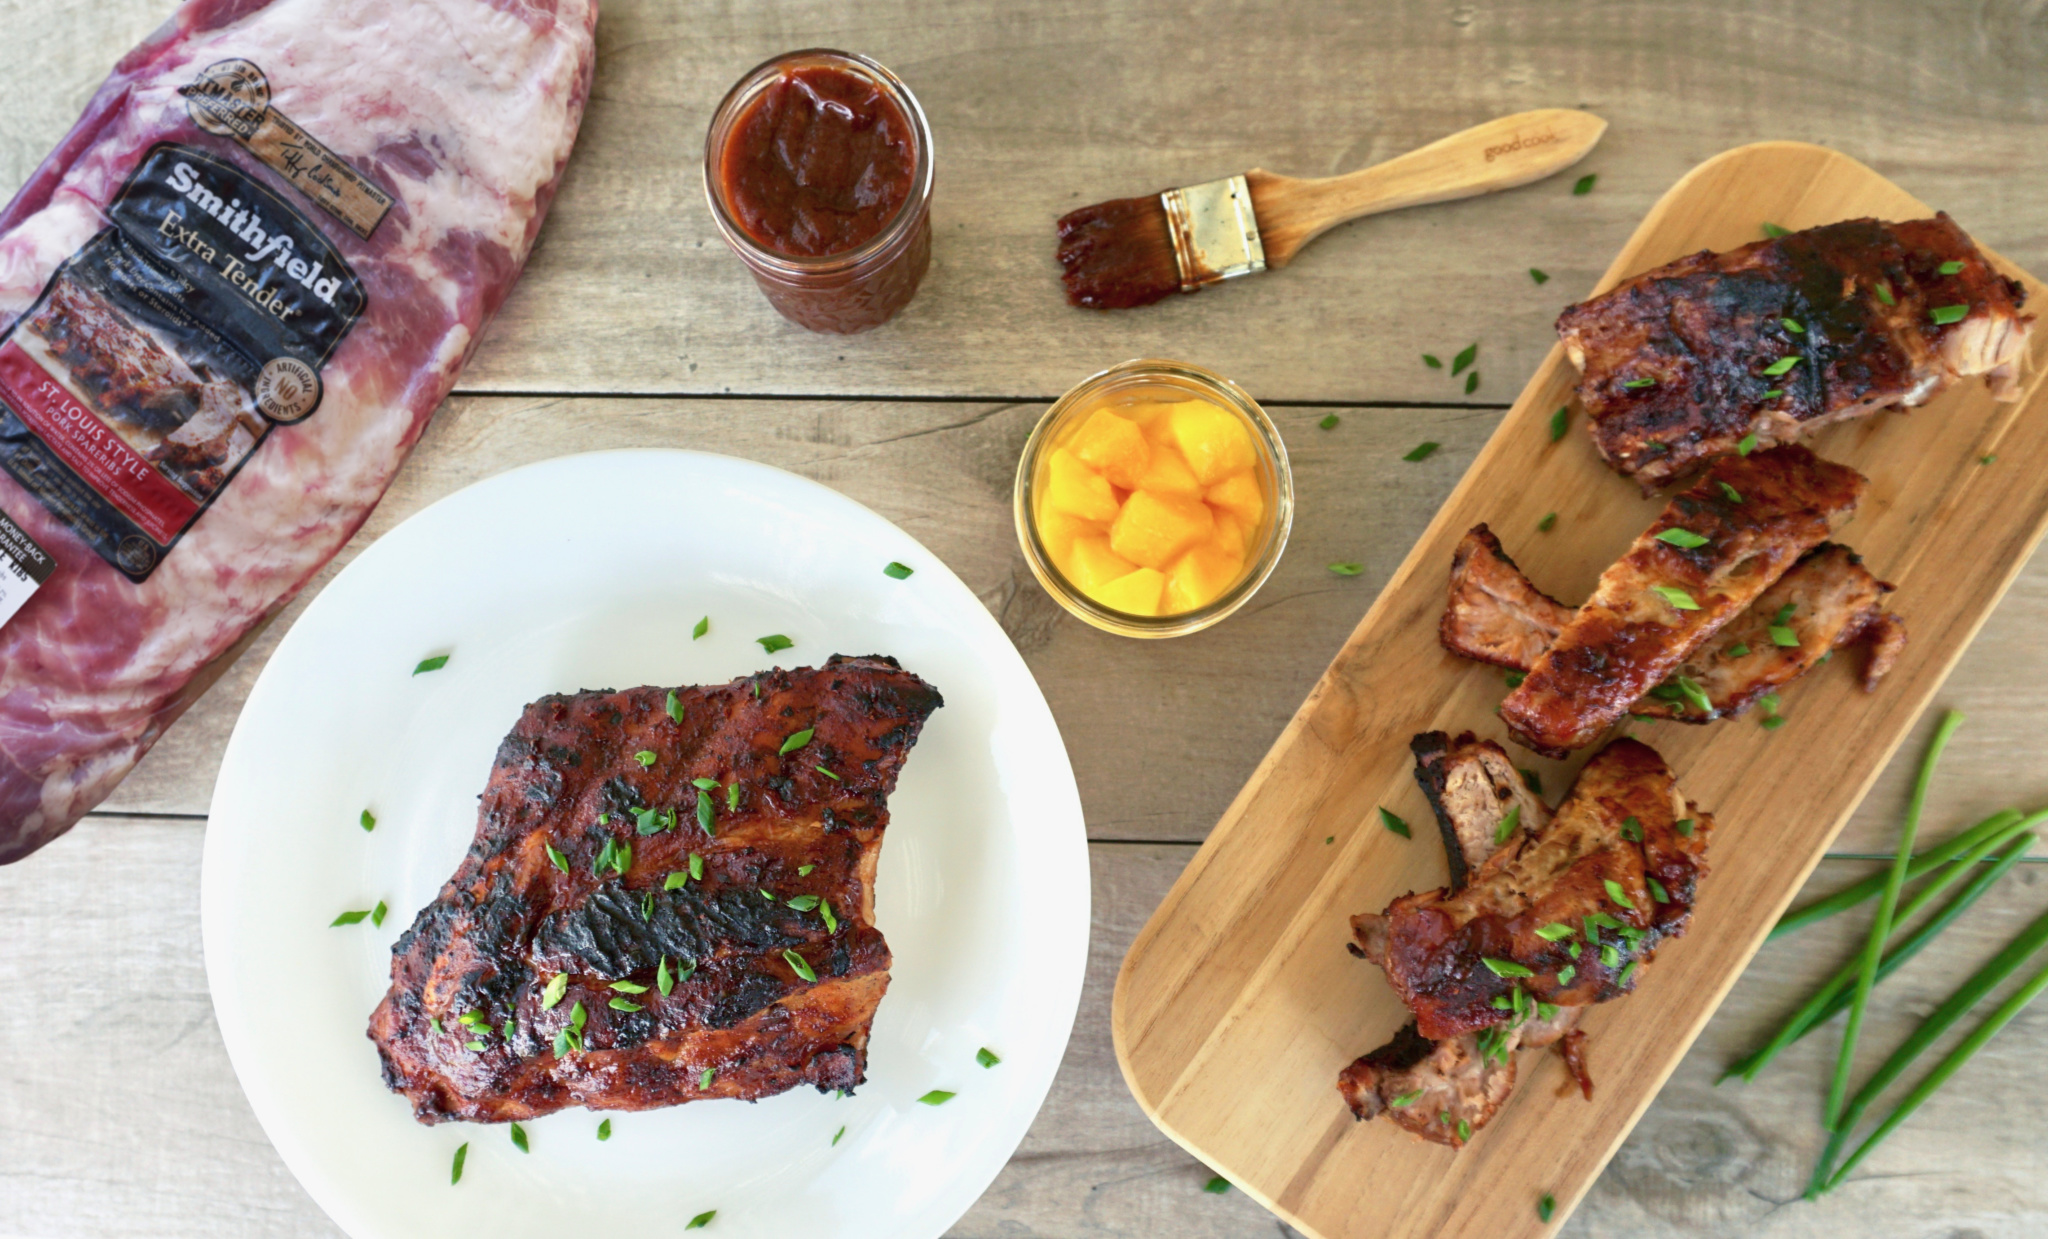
[(1828, 600), (1450, 955), (1448, 1089), (586, 866), (1660, 602), (1677, 363)]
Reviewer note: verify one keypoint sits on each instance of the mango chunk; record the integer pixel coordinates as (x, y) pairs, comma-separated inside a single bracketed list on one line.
[(1213, 439), (1143, 412), (1075, 488), (1199, 576), (1241, 496), (1169, 474), (1137, 593), (1229, 537), (1115, 446), (1057, 530), (1152, 530), (1090, 564)]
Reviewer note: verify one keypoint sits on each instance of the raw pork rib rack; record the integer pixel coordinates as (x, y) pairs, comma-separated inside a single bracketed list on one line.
[(464, 111)]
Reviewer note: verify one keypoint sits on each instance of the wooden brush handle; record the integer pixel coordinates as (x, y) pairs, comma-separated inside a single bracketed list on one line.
[(1499, 154)]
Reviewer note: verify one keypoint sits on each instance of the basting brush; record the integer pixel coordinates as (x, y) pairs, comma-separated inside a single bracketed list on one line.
[(1134, 251)]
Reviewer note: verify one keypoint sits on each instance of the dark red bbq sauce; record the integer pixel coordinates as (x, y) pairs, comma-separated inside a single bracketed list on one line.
[(819, 164)]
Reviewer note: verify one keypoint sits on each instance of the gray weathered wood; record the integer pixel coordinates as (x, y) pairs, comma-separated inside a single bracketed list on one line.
[(1193, 715), (120, 1117), (1042, 106)]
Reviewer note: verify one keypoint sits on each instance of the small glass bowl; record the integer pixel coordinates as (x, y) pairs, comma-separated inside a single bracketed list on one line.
[(1169, 379)]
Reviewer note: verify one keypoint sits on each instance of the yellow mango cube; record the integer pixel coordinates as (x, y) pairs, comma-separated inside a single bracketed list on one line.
[(1169, 474), (1153, 529), (1057, 530), (1199, 576), (1113, 445), (1076, 489), (1142, 413), (1229, 536), (1090, 564), (1241, 496), (1214, 440), (1136, 593)]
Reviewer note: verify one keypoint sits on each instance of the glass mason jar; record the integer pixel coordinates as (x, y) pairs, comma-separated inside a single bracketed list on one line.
[(862, 287), (1148, 381)]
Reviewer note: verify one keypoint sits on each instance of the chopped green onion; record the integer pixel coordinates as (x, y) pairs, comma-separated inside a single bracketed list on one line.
[(774, 641), (1985, 460), (1737, 650), (1406, 1099), (369, 821), (1540, 277), (1675, 596), (1733, 495), (1554, 931), (1685, 538), (1657, 891), (937, 1097), (1560, 421), (663, 979), (623, 1004), (1685, 826), (1772, 394), (1783, 636), (1546, 1206), (377, 913), (435, 663), (1746, 444), (1953, 266), (519, 1138), (899, 571), (1943, 315), (645, 757), (802, 903), (1465, 357), (1472, 382), (455, 1171), (798, 965), (1421, 451), (705, 1077), (1794, 326), (1346, 569), (1632, 828), (1615, 893), (696, 867), (1329, 421), (825, 911), (732, 798), (797, 740), (1584, 185), (836, 1135), (1695, 695), (1609, 955), (1621, 981), (675, 881), (1638, 383), (1514, 678), (702, 1220), (1505, 967), (628, 987), (1508, 822), (1395, 824), (1464, 1130), (1217, 1185), (1432, 362), (1781, 366), (705, 812), (1566, 973), (1884, 293), (349, 918), (703, 626), (1549, 520), (551, 997), (1773, 231), (986, 1057), (1532, 780), (674, 707), (604, 1132)]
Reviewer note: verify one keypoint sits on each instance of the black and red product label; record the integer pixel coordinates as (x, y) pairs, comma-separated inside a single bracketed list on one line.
[(162, 353)]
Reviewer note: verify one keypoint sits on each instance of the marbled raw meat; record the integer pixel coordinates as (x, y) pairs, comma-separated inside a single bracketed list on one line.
[(465, 110)]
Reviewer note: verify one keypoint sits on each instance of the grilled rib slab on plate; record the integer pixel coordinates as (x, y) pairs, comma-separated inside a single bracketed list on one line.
[(534, 983), (1751, 517), (1827, 601), (1626, 823), (1677, 362)]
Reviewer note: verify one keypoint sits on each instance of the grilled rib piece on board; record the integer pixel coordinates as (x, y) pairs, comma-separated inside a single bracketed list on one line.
[(1624, 822), (471, 1029), (1827, 601), (1451, 1088), (1661, 602), (1676, 362)]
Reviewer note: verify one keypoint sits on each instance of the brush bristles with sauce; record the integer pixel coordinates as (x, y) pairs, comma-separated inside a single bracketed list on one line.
[(1118, 254), (1134, 251)]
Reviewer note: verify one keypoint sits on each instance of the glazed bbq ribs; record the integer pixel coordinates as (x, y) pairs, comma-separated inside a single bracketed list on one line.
[(1528, 933), (1826, 601), (1716, 547), (670, 898), (1781, 337)]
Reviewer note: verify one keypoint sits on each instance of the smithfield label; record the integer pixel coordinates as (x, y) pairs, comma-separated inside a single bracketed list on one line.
[(161, 353)]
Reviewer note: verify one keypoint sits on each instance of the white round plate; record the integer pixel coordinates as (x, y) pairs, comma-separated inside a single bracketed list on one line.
[(590, 572)]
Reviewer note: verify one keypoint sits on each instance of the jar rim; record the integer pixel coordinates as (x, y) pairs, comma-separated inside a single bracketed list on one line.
[(1272, 451), (743, 92)]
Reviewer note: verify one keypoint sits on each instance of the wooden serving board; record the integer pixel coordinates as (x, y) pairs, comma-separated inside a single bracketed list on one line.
[(1238, 1004)]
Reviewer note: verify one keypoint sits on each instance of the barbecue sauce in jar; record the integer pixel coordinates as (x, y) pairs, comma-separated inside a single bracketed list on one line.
[(818, 167)]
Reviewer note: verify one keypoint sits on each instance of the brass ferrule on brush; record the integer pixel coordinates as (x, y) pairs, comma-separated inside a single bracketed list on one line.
[(1215, 234)]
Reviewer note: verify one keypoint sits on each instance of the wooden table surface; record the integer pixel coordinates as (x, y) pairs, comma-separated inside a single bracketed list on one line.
[(119, 1113)]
